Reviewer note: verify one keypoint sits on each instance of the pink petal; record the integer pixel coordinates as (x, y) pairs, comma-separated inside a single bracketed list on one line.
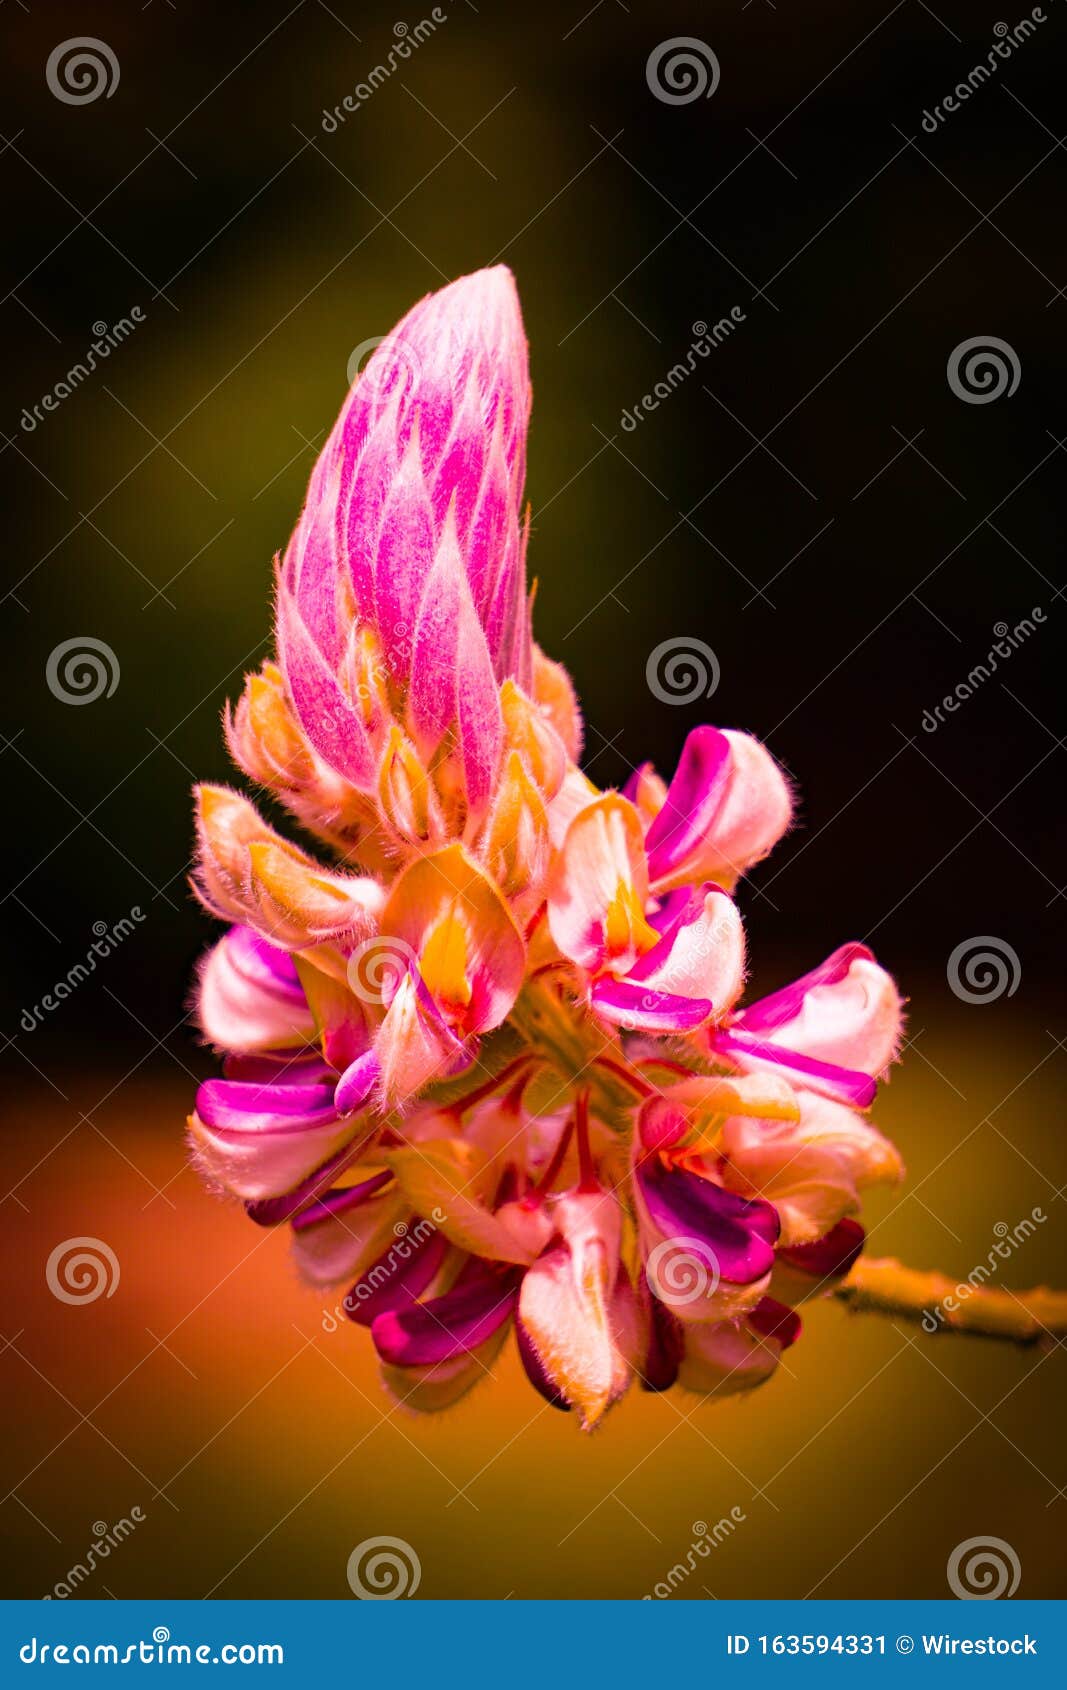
[(334, 727), (640, 1008), (847, 1012), (246, 1000), (692, 802), (701, 953)]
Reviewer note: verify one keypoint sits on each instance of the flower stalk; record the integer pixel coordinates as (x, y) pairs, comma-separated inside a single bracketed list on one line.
[(882, 1285)]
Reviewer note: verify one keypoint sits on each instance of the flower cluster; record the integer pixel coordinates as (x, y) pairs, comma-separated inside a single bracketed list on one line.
[(490, 1060)]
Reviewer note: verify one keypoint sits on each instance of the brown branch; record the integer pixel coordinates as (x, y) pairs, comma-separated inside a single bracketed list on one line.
[(940, 1304)]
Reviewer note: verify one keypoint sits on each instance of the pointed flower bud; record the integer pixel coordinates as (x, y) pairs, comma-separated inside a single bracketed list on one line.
[(413, 530)]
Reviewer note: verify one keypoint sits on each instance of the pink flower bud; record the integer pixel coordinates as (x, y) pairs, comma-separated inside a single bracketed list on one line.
[(413, 528)]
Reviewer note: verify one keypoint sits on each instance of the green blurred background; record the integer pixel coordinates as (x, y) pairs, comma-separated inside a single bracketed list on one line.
[(772, 507)]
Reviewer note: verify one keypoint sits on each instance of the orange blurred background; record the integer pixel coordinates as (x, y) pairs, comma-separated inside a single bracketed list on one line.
[(262, 1449)]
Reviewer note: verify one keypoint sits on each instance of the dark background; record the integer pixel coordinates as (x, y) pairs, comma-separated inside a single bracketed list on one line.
[(772, 507), (278, 257)]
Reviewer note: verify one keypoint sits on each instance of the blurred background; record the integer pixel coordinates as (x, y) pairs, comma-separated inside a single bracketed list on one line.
[(818, 504)]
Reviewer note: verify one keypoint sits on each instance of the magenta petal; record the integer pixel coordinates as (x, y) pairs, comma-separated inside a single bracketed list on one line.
[(356, 1083), (239, 1106), (452, 679), (455, 456), (633, 1005), (493, 527), (481, 729), (666, 1344), (739, 1233), (777, 1008), (364, 491), (342, 1202), (270, 1211), (310, 569), (432, 704), (448, 1326), (771, 1319), (503, 615), (672, 908), (680, 910), (399, 1276), (847, 1085), (267, 963), (403, 560), (327, 716), (692, 801), (832, 1256)]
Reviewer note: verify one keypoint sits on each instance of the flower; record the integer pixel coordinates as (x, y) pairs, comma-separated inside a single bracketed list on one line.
[(489, 1058)]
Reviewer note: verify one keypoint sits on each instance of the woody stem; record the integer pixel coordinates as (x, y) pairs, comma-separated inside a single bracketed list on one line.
[(884, 1286)]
